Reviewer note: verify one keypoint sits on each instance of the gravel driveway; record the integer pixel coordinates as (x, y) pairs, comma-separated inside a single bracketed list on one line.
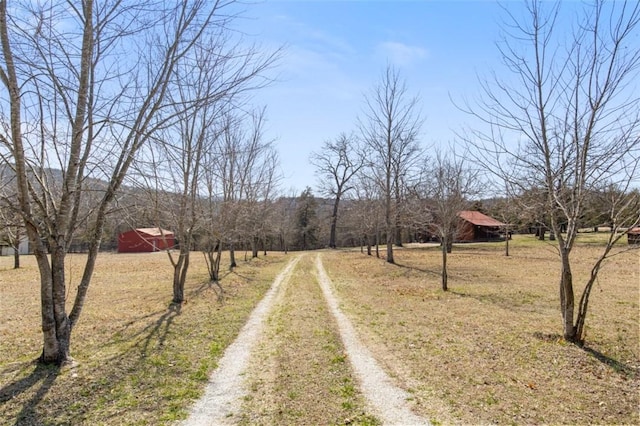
[(226, 388)]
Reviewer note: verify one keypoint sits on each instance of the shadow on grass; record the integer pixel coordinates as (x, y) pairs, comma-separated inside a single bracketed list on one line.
[(414, 268), (493, 299), (216, 286), (43, 376), (155, 331), (525, 302), (159, 330), (617, 366), (244, 277)]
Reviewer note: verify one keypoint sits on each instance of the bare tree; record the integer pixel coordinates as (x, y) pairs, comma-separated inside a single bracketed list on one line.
[(506, 210), (202, 92), (263, 186), (284, 223), (366, 212), (306, 221), (176, 161), (446, 188), (573, 109), (336, 164), (390, 128), (246, 171), (87, 88), (211, 236)]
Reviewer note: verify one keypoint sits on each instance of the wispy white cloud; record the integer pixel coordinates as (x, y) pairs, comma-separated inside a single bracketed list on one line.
[(316, 62), (401, 54), (312, 37)]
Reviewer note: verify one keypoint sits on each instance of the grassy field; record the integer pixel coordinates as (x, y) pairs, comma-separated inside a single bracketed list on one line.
[(488, 351), (139, 360)]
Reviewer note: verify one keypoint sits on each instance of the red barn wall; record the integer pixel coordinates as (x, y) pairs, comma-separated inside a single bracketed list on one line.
[(163, 243), (137, 242), (466, 232)]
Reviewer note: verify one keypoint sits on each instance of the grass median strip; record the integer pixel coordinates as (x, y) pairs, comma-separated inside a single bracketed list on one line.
[(300, 374)]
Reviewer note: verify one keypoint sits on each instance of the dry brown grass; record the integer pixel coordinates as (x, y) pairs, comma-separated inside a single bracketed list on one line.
[(300, 373), (140, 361), (489, 351)]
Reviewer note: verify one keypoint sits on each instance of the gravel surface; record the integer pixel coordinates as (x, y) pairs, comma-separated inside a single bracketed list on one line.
[(386, 400), (223, 395)]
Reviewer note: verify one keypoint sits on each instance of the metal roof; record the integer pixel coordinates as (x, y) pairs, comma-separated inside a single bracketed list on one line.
[(479, 219), (156, 232)]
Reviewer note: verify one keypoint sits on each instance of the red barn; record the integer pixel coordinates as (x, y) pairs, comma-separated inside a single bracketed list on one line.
[(476, 226), (143, 240)]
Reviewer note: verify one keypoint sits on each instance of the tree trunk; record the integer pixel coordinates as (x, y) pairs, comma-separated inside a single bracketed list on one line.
[(445, 277), (180, 274), (213, 262), (378, 244), (16, 249), (56, 326), (16, 256), (507, 236), (584, 300), (334, 222), (390, 235), (397, 228), (232, 257), (398, 235), (388, 220), (210, 261), (216, 262), (254, 247), (368, 241), (567, 297)]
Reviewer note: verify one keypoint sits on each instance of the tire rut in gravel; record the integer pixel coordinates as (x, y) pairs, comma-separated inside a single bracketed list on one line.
[(224, 393), (385, 399)]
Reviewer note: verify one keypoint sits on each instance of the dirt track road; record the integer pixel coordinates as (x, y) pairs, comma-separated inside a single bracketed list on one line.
[(232, 383), (226, 387)]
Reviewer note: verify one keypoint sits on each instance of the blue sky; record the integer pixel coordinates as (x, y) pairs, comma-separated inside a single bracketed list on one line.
[(335, 52)]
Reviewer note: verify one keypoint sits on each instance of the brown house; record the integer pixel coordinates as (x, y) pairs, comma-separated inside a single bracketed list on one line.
[(476, 227), (143, 240), (633, 236)]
